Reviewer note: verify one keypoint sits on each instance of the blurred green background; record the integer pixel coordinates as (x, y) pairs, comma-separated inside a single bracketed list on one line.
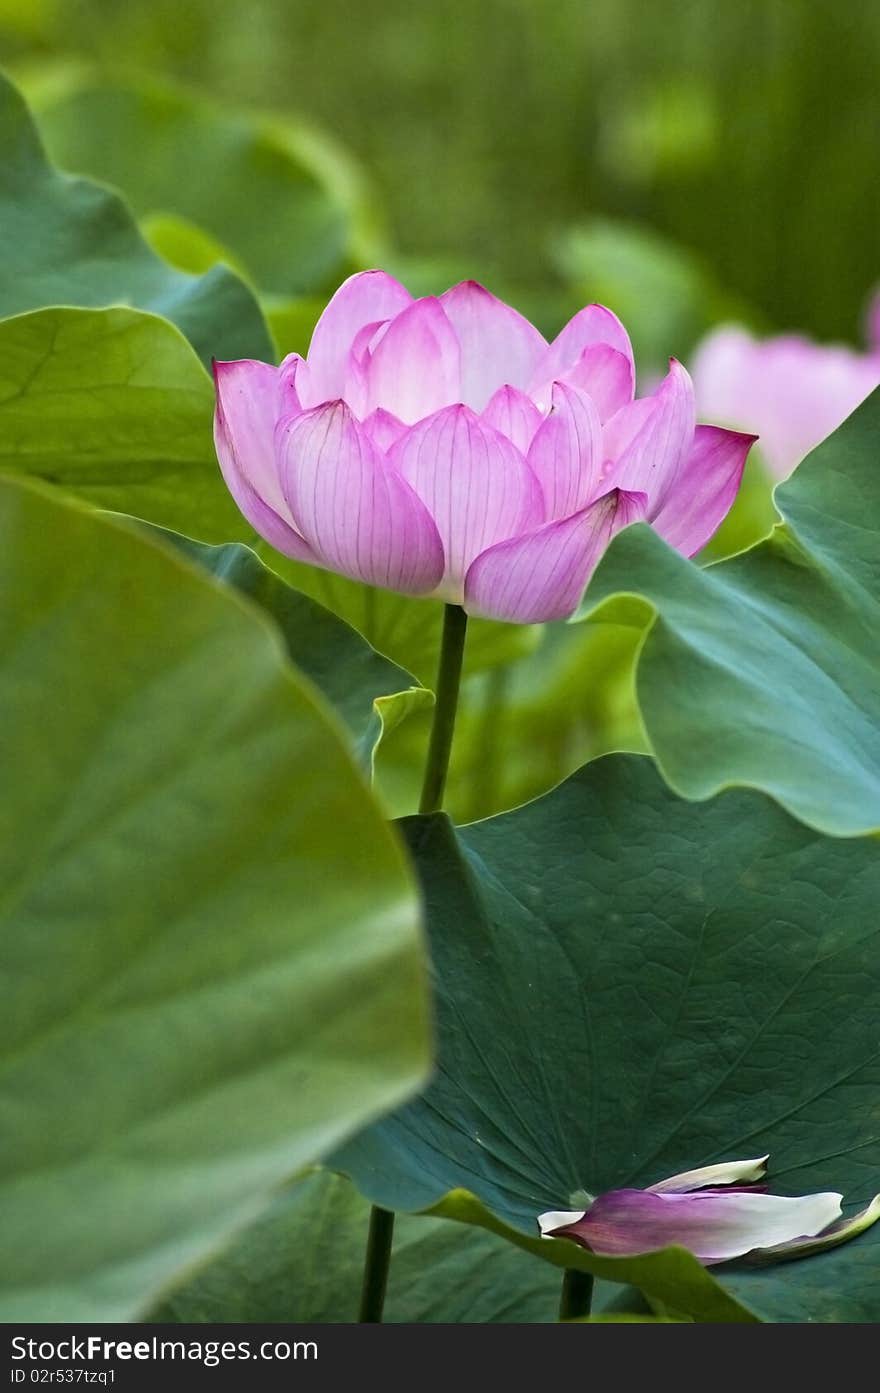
[(494, 133)]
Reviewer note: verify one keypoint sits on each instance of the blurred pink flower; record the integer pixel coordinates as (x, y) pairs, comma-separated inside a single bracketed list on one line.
[(442, 447), (789, 391), (717, 1212)]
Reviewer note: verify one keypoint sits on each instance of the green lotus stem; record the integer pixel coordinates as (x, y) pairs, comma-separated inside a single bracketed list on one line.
[(576, 1299), (376, 1265), (381, 1233), (446, 704)]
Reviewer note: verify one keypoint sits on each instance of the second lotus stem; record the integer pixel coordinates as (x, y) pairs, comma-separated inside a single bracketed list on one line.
[(576, 1299), (381, 1234)]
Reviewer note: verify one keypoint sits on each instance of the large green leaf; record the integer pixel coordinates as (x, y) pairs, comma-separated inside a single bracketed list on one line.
[(630, 985), (70, 242), (762, 670), (115, 406), (290, 205), (212, 963), (303, 1261), (370, 693)]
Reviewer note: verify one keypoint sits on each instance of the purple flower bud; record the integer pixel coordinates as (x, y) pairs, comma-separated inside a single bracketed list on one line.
[(717, 1212)]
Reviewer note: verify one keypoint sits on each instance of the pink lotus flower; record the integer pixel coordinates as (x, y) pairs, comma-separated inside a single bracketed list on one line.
[(790, 391), (718, 1212), (443, 447)]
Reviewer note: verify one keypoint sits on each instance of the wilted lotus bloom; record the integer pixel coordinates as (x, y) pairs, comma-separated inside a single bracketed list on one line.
[(718, 1212), (442, 447), (790, 391)]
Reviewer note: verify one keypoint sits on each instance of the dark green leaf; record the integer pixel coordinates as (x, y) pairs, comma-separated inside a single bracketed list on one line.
[(629, 985)]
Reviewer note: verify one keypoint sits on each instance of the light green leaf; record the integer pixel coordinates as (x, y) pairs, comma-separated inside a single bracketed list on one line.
[(303, 1261), (762, 670), (290, 205), (212, 961), (372, 695), (115, 406), (628, 986), (70, 242)]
